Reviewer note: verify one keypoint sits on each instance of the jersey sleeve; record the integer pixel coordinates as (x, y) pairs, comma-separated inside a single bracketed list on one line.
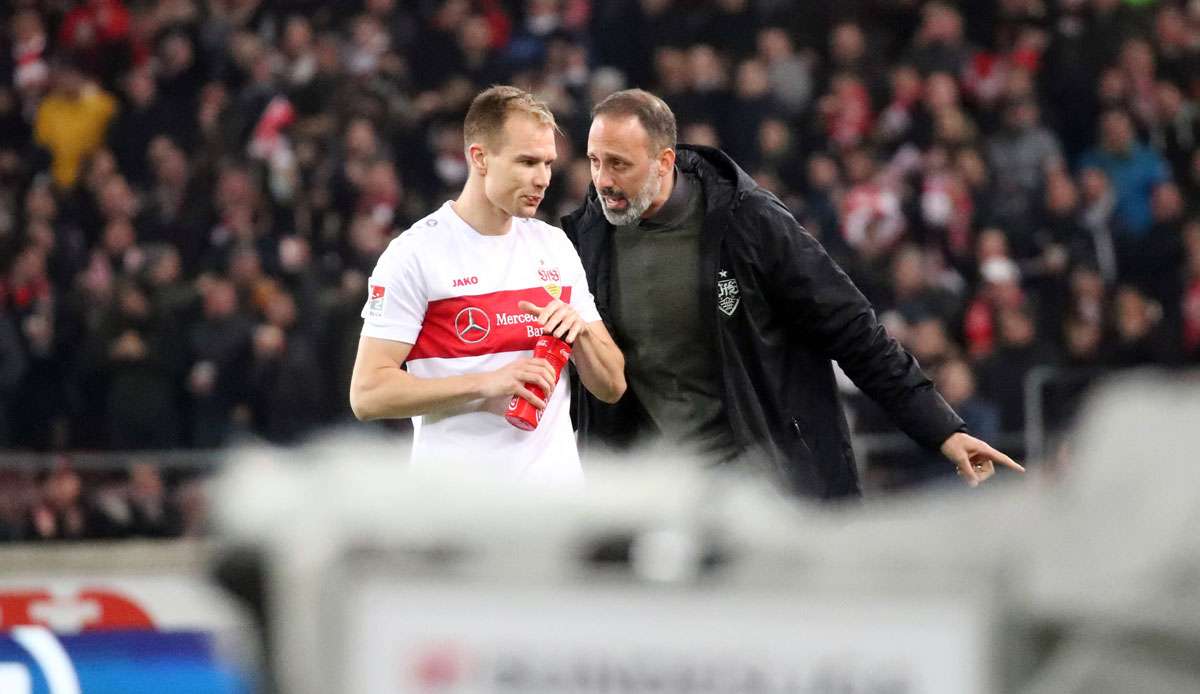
[(396, 295)]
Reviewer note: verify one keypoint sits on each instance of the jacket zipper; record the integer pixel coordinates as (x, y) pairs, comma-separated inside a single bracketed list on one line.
[(799, 433)]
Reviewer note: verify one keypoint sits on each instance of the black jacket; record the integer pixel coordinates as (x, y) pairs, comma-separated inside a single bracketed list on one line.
[(787, 312)]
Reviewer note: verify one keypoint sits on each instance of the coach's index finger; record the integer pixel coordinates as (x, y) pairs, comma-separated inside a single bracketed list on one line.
[(998, 457)]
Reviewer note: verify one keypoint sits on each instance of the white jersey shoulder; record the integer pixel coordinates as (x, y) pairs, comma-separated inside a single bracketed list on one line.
[(433, 225), (414, 240), (547, 232), (537, 226)]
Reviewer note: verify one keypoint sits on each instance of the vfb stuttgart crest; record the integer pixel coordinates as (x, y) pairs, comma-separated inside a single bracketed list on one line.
[(728, 295)]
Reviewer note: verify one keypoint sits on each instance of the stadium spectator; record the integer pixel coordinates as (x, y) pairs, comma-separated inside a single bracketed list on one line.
[(940, 44), (956, 381), (1019, 350), (218, 349), (1156, 268), (913, 291), (1140, 338), (142, 117), (98, 32), (31, 72), (139, 352), (1098, 214), (59, 513), (1022, 154), (1176, 128), (789, 73), (12, 371), (850, 53), (1176, 52), (285, 374), (138, 505), (72, 119), (1133, 168)]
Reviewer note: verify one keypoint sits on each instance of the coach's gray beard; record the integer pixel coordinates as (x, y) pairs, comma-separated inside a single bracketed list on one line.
[(638, 204)]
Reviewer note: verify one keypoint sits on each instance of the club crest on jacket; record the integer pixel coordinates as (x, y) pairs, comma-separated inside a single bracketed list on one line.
[(728, 296)]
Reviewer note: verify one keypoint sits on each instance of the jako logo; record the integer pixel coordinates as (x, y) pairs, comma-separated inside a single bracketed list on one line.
[(465, 281)]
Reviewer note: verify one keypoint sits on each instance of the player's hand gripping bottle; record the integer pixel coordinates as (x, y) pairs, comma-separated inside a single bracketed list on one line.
[(521, 413)]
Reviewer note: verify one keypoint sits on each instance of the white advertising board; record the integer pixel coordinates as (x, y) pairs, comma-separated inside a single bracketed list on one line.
[(459, 637)]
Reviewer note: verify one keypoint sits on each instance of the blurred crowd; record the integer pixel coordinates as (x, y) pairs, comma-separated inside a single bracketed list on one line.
[(62, 502), (192, 192)]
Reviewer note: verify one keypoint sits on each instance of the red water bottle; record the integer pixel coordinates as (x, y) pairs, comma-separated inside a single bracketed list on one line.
[(521, 413)]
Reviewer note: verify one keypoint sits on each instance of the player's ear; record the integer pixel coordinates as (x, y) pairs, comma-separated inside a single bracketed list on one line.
[(477, 157)]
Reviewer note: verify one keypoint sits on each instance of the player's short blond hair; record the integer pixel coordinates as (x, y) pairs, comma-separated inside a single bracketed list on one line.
[(485, 118)]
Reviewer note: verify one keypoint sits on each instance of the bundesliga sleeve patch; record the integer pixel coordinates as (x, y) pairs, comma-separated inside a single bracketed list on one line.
[(375, 303)]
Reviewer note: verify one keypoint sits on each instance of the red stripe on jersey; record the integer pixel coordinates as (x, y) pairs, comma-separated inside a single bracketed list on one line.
[(473, 326)]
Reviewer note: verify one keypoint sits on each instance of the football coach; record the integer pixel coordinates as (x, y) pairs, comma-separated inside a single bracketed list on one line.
[(729, 315)]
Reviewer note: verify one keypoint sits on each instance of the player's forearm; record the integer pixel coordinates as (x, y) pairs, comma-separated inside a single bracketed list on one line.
[(393, 393), (600, 364)]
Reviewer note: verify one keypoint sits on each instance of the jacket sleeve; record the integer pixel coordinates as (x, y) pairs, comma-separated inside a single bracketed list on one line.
[(820, 301)]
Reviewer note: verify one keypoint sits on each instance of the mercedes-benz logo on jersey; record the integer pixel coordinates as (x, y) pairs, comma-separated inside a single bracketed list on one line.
[(472, 325)]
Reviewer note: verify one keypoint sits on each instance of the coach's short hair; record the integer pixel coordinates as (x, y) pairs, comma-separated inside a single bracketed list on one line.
[(485, 117), (652, 112)]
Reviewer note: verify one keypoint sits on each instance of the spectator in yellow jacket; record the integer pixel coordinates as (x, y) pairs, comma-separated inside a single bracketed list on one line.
[(72, 120)]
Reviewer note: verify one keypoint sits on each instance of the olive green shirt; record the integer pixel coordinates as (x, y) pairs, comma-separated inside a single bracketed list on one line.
[(670, 367)]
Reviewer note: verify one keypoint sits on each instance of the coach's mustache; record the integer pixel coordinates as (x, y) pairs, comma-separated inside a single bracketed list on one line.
[(615, 193)]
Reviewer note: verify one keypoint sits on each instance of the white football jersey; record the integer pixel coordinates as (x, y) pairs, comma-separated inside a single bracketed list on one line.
[(452, 294)]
